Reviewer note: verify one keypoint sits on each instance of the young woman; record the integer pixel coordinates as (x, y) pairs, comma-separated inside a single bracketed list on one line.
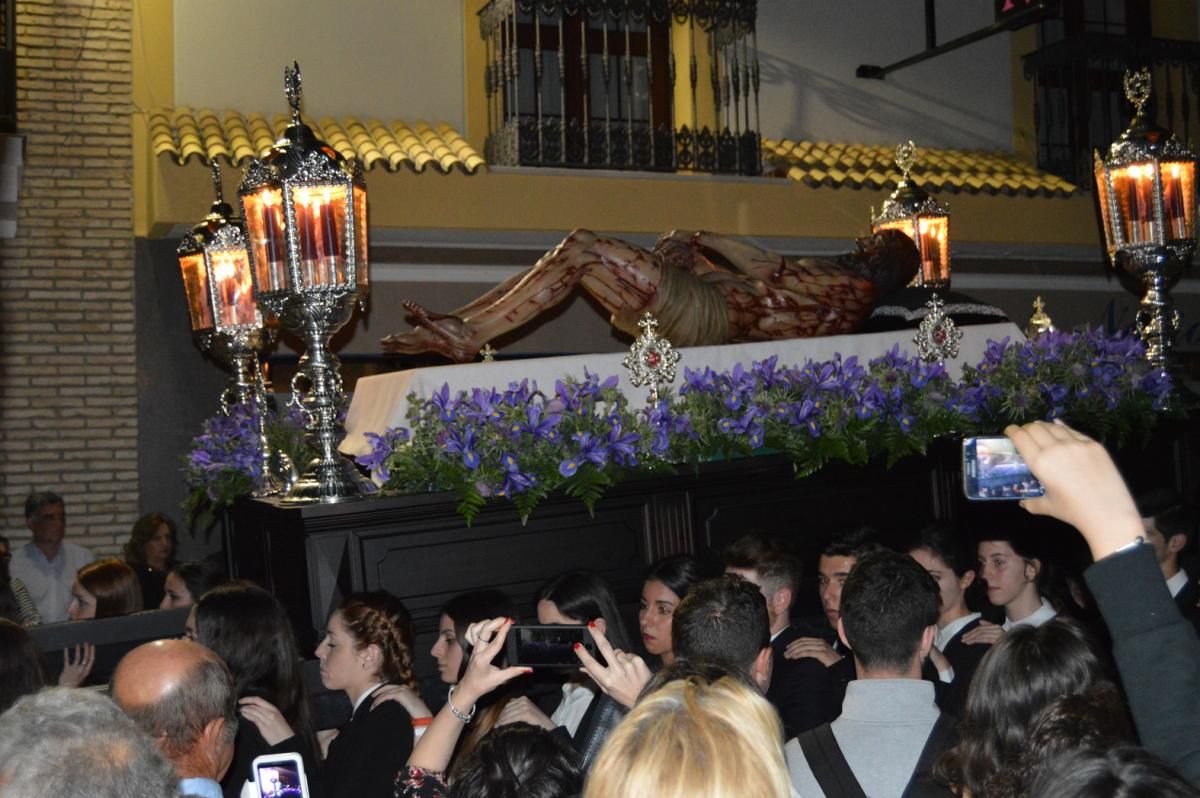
[(188, 581), (248, 628), (457, 615), (15, 603), (939, 551), (150, 551), (1017, 579), (666, 584), (368, 645), (104, 589)]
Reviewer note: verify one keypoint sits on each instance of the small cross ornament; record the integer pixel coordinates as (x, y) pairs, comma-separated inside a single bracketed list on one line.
[(651, 359), (487, 353), (938, 336)]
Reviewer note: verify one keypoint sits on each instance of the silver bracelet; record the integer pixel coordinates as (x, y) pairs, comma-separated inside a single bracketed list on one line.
[(465, 717)]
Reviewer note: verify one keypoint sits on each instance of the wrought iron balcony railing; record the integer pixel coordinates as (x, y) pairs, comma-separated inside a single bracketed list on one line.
[(592, 83), (1079, 104)]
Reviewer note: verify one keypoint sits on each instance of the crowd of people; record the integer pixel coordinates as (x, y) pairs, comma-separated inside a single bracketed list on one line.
[(953, 665)]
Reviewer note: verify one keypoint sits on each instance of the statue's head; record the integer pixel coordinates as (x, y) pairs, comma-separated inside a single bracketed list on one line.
[(891, 259)]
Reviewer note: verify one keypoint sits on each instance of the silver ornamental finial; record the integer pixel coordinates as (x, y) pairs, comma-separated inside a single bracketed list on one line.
[(487, 353), (906, 159), (292, 87), (1040, 322), (651, 359), (1137, 87), (216, 180), (938, 336)]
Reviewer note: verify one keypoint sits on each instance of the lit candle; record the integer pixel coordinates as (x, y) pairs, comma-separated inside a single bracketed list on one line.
[(274, 247), (1173, 212), (225, 274), (306, 232)]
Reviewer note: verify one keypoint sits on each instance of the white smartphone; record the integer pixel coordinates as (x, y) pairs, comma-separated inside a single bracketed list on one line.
[(279, 776)]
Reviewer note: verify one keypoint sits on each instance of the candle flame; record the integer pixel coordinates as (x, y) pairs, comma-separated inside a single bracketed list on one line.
[(224, 268)]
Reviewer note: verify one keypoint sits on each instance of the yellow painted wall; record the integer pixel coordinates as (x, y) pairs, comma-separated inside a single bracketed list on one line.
[(153, 87)]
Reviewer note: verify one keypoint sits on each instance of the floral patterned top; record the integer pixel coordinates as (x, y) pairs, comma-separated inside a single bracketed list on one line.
[(417, 783)]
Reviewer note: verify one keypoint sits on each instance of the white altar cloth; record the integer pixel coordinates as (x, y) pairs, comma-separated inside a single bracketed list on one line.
[(381, 401)]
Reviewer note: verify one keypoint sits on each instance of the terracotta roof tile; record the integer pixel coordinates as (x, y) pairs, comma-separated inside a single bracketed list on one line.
[(185, 133), (850, 165)]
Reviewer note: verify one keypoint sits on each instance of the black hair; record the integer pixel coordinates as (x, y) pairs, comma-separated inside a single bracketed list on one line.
[(1177, 520), (1154, 502), (472, 607), (250, 631), (200, 576), (583, 596), (723, 619), (20, 664), (1028, 544), (518, 760), (1122, 772), (888, 602), (1022, 674), (478, 605), (699, 671), (853, 542), (678, 572), (773, 559), (949, 547)]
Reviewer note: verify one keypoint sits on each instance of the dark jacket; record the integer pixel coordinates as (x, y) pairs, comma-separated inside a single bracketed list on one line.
[(801, 690), (1157, 654), (368, 752)]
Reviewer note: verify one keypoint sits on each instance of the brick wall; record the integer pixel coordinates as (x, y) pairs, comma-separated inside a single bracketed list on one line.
[(68, 388)]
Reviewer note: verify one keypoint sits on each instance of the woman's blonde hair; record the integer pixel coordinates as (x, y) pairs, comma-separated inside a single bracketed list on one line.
[(691, 739)]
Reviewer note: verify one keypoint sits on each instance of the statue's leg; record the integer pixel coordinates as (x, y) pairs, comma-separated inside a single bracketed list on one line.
[(621, 275)]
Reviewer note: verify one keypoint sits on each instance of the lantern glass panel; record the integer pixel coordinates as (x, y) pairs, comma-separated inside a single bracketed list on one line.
[(195, 285), (933, 233), (265, 233), (904, 226), (1103, 197), (233, 290), (360, 236), (1179, 199), (321, 234), (1133, 188)]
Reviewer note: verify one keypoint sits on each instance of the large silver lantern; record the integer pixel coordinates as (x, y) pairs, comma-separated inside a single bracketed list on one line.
[(306, 217), (1146, 187), (226, 321), (912, 211)]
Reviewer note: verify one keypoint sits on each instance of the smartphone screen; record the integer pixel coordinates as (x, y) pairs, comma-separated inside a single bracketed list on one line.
[(279, 778), (547, 646), (993, 470)]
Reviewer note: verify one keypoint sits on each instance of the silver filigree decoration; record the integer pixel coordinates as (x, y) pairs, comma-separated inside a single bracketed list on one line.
[(487, 353), (229, 236), (938, 336), (292, 87), (651, 359)]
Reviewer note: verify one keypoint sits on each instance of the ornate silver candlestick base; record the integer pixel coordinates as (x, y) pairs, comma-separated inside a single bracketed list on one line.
[(317, 390)]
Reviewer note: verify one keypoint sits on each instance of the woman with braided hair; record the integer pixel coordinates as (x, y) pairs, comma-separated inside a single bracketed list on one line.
[(367, 646)]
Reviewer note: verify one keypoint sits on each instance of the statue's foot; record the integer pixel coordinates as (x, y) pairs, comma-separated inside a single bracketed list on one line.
[(433, 332)]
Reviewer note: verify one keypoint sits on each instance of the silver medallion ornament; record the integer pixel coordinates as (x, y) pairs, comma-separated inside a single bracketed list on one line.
[(938, 336), (651, 359)]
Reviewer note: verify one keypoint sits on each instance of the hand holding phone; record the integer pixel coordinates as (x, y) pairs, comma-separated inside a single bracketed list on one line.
[(279, 776), (548, 645), (993, 470)]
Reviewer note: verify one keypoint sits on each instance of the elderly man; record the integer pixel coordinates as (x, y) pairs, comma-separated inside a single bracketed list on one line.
[(47, 564), (182, 695), (76, 742)]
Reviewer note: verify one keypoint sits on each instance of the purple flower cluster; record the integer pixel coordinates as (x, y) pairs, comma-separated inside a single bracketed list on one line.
[(226, 443), (523, 444)]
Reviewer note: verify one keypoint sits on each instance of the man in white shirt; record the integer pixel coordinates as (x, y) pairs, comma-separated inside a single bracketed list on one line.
[(1169, 529), (47, 564)]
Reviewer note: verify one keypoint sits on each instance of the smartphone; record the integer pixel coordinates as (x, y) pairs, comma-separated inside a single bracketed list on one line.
[(548, 645), (993, 470), (279, 776)]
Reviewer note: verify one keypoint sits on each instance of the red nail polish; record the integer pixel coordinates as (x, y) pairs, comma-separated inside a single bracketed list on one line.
[(578, 646), (591, 624)]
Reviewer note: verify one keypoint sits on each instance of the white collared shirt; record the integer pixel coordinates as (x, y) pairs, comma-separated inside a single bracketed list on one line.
[(49, 582), (946, 633), (1177, 582), (575, 701), (1044, 613), (358, 701)]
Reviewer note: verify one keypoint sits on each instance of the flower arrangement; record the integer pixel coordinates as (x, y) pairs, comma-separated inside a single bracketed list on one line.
[(225, 462), (524, 444)]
